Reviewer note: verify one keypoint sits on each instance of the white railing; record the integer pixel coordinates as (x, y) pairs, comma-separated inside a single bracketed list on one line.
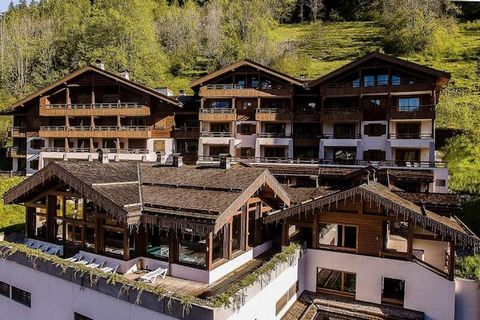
[(95, 128), (88, 150), (108, 105)]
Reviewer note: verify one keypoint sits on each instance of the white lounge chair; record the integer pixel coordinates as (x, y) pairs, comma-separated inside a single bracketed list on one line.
[(97, 264), (53, 251), (36, 245), (112, 269), (76, 257), (86, 261), (153, 275), (44, 247)]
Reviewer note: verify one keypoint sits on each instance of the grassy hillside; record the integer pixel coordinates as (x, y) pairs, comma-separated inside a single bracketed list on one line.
[(321, 48), (10, 214)]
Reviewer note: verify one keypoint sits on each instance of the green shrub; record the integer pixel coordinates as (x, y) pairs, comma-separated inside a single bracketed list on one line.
[(469, 267)]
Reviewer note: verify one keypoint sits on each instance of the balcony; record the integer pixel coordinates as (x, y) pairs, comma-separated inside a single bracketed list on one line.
[(413, 112), (340, 140), (217, 114), (96, 109), (17, 132), (91, 154), (273, 135), (96, 132), (306, 116), (186, 133), (341, 114), (273, 114), (357, 88), (206, 134), (237, 90), (17, 152)]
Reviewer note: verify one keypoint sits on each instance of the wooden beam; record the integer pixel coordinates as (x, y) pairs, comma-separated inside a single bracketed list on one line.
[(209, 250)]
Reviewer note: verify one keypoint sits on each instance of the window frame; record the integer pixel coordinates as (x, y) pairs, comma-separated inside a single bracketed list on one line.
[(342, 290)]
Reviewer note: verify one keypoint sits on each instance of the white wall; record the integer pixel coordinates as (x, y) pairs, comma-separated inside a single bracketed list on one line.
[(57, 299), (467, 299), (424, 290)]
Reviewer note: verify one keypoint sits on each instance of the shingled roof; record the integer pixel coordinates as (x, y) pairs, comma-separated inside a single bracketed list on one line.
[(149, 193), (392, 203)]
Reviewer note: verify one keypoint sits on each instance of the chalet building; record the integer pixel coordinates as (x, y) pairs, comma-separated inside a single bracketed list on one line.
[(218, 242), (88, 111), (377, 110)]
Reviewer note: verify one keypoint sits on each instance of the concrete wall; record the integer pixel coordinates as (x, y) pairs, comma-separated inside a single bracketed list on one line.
[(424, 290), (467, 299), (57, 299)]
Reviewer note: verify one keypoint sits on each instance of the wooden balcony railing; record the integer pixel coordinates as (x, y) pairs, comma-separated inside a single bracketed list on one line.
[(92, 150), (360, 87), (413, 112), (186, 132), (17, 152), (96, 131), (238, 90), (100, 109), (17, 132), (341, 136), (273, 135), (340, 114), (273, 114), (217, 134), (217, 114), (410, 136)]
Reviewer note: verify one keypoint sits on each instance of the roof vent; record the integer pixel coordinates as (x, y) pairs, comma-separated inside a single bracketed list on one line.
[(177, 160), (225, 160), (125, 74), (102, 156), (99, 64)]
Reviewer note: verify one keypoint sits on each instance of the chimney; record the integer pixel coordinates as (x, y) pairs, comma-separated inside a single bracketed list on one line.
[(182, 93), (224, 160), (125, 74), (160, 156), (99, 64), (102, 156), (177, 160)]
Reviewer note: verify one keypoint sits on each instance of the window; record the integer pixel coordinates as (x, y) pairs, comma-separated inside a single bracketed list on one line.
[(369, 81), (246, 129), (224, 104), (158, 242), (375, 103), (4, 289), (382, 79), (236, 233), (344, 130), (218, 246), (407, 155), (247, 152), (34, 164), (408, 130), (408, 104), (393, 291), (440, 183), (337, 235), (113, 242), (78, 316), (192, 249), (345, 155), (21, 296), (334, 280), (275, 152), (375, 129), (217, 150), (37, 144), (219, 127), (374, 155), (282, 302)]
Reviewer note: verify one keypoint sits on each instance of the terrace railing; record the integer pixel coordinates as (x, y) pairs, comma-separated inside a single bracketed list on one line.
[(108, 105)]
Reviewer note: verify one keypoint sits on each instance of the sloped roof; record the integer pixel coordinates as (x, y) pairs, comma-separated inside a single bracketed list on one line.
[(249, 63), (393, 205), (142, 193), (97, 70), (387, 58)]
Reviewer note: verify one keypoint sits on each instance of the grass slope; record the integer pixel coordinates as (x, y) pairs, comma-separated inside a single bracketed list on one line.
[(322, 48), (10, 214)]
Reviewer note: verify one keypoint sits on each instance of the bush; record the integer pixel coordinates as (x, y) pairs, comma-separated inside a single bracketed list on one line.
[(469, 267)]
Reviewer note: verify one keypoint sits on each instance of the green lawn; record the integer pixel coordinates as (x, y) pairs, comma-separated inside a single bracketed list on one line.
[(322, 48), (10, 214)]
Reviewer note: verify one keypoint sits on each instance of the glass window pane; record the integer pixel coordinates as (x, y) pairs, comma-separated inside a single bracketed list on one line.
[(218, 252), (349, 282), (350, 237), (158, 242), (113, 242), (192, 249)]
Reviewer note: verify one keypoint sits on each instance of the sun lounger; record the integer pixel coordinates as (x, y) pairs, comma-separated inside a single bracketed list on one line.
[(86, 261), (44, 247), (97, 264), (36, 245), (53, 251), (153, 275), (29, 243), (76, 257), (112, 269)]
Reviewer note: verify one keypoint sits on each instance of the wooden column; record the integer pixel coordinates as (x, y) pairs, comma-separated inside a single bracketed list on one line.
[(258, 224), (209, 250), (98, 232), (68, 101), (315, 232), (285, 228), (126, 243), (451, 261), (230, 229), (51, 212), (411, 228), (245, 227)]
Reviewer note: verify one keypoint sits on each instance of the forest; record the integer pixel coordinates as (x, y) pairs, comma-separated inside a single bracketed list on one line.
[(171, 42)]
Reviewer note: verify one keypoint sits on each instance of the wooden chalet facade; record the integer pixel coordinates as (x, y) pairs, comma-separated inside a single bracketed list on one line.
[(88, 110)]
